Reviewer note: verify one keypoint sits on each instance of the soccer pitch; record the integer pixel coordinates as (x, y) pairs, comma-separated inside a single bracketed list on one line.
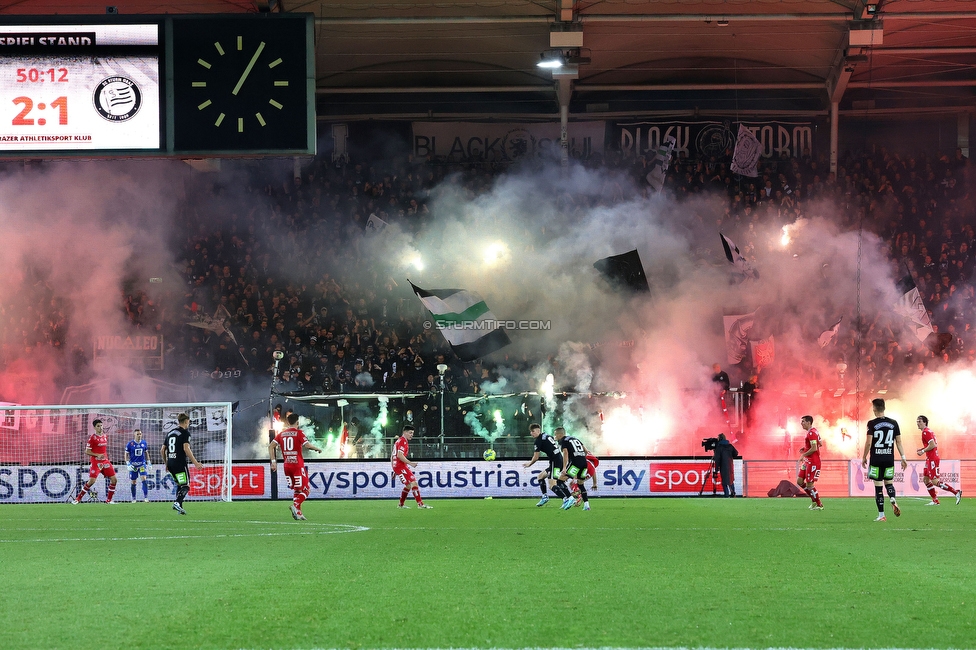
[(489, 574)]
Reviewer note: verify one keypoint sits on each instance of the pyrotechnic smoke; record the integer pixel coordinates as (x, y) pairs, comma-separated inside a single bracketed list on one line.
[(658, 348), (374, 448), (527, 245), (473, 420)]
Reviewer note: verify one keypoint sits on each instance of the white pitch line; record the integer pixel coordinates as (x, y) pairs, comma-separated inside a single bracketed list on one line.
[(333, 530), (635, 648)]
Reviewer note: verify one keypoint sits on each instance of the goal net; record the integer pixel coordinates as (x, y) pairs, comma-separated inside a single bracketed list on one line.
[(42, 457)]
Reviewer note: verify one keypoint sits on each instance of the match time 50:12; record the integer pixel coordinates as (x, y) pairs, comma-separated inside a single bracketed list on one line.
[(33, 75)]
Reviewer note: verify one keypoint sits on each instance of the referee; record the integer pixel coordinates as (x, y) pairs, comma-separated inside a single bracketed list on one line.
[(176, 449)]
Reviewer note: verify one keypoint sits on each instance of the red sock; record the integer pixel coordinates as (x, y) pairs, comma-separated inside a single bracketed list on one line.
[(816, 496), (299, 500), (810, 493), (403, 495), (416, 496), (84, 491), (947, 487), (111, 492), (932, 493)]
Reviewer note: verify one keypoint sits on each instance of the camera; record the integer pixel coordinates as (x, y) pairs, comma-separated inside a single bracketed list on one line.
[(709, 444)]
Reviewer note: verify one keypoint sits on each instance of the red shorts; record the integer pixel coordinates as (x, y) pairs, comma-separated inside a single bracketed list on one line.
[(101, 467), (931, 470), (809, 472), (405, 476), (296, 477)]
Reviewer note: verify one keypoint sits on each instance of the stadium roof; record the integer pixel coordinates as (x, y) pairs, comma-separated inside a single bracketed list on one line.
[(408, 59)]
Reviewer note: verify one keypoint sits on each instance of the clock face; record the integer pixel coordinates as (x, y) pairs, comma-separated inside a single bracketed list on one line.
[(240, 85)]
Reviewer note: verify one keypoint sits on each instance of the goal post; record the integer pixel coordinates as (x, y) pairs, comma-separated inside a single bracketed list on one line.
[(42, 457)]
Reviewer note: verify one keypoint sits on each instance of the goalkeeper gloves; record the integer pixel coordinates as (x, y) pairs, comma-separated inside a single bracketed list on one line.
[(131, 468), (148, 467)]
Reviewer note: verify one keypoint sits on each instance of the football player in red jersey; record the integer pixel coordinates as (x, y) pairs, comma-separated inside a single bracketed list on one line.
[(401, 468), (291, 442), (930, 449), (810, 462), (592, 462), (97, 449)]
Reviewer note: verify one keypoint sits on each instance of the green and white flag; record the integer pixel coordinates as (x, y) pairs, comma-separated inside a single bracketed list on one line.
[(465, 321)]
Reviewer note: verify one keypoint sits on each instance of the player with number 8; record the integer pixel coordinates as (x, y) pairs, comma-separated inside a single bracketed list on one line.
[(176, 451)]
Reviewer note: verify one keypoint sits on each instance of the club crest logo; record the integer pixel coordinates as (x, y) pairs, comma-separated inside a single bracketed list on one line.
[(117, 99)]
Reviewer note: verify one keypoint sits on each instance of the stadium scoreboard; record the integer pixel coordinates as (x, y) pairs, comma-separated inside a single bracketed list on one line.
[(157, 86)]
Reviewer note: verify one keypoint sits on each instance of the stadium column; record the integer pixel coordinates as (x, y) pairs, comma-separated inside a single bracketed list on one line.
[(274, 475)]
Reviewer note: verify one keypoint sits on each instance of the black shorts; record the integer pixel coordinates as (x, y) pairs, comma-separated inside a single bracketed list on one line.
[(555, 467), (577, 468), (181, 473), (881, 469)]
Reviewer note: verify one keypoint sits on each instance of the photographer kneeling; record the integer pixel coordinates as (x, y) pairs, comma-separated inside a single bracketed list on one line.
[(722, 457)]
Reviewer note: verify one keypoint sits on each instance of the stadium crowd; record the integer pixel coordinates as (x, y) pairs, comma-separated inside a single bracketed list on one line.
[(353, 329)]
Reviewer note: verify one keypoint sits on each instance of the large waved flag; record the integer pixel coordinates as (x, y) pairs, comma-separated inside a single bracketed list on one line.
[(738, 261), (745, 158), (624, 271), (465, 321), (910, 306), (660, 162)]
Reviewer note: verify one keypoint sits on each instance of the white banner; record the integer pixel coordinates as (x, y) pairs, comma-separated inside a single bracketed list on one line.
[(493, 142), (908, 483)]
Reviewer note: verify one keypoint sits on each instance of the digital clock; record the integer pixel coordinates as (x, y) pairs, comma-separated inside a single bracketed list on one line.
[(79, 88)]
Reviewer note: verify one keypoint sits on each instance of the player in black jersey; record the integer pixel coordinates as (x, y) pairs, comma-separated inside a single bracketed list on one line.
[(883, 436), (546, 444), (176, 450), (574, 466)]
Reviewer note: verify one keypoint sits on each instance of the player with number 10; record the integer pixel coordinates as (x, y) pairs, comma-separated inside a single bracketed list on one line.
[(291, 442)]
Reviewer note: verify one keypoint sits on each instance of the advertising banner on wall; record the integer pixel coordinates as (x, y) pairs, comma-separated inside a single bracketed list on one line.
[(907, 484), (375, 480), (704, 138), (458, 479), (504, 142), (57, 483)]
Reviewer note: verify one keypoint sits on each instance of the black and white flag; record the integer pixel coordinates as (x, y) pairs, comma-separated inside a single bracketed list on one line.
[(659, 165), (745, 158), (828, 334), (738, 261), (374, 224), (910, 306)]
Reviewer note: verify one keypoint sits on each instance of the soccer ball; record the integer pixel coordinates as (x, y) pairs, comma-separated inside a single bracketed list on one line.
[(489, 454)]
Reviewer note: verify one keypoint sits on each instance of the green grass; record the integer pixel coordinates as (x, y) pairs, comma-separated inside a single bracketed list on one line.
[(492, 573)]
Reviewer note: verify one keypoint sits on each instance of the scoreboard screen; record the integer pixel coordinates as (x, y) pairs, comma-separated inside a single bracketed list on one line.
[(79, 87), (157, 86)]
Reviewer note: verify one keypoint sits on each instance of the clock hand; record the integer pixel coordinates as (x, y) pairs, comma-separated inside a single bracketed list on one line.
[(247, 70)]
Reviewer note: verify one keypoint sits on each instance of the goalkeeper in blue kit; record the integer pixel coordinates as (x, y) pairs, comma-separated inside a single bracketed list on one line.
[(137, 460)]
